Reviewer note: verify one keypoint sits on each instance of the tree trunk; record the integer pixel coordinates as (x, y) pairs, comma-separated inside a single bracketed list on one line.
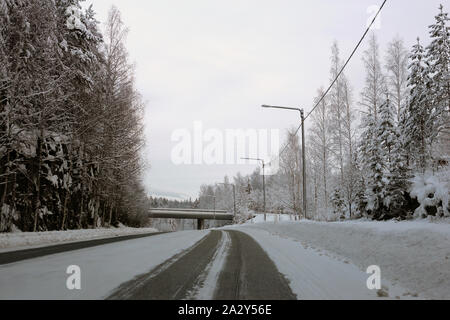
[(37, 182), (110, 214), (5, 190), (66, 197)]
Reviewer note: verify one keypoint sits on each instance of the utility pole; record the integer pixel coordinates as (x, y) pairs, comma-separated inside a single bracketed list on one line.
[(264, 184), (302, 118), (302, 115), (264, 190), (234, 201)]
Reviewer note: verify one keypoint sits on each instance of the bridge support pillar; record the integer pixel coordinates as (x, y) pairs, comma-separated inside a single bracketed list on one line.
[(200, 224)]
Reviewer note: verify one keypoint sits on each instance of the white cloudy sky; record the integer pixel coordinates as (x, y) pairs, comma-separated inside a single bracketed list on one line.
[(218, 61)]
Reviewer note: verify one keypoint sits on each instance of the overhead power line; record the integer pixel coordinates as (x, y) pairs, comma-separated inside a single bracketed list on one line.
[(348, 60), (340, 72)]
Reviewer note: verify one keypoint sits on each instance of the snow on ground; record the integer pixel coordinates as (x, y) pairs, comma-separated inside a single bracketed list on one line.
[(313, 275), (411, 254), (20, 240), (103, 268), (271, 217)]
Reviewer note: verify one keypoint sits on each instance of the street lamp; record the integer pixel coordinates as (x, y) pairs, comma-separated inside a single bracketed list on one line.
[(302, 117), (234, 196), (264, 185)]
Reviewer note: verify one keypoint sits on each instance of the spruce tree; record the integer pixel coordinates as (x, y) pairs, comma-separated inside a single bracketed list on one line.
[(437, 55), (419, 125), (337, 201), (373, 165), (392, 151)]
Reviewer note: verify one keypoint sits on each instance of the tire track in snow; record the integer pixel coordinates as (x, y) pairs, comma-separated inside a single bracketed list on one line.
[(206, 284), (249, 273), (228, 265), (174, 278)]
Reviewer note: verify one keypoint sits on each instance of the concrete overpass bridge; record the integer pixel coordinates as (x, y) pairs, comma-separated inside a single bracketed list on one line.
[(200, 214)]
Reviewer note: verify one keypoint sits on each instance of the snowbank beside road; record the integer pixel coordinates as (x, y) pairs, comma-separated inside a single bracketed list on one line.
[(19, 240), (271, 217), (412, 254)]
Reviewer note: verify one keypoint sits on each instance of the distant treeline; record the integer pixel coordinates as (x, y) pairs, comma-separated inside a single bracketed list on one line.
[(161, 202)]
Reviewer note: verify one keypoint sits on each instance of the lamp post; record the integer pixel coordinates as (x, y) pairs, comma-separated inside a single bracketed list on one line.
[(302, 118), (264, 185), (234, 196)]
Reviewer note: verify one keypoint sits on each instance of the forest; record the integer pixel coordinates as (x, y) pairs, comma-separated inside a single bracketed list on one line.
[(382, 154), (71, 119)]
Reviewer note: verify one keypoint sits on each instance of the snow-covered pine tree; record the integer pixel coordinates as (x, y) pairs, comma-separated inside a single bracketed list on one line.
[(79, 43), (360, 185), (372, 96), (376, 183), (438, 59), (395, 162), (338, 204), (387, 130), (374, 166), (419, 125), (399, 182)]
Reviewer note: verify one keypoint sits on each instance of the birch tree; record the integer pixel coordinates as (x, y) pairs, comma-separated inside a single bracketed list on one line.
[(374, 89), (397, 74), (320, 149)]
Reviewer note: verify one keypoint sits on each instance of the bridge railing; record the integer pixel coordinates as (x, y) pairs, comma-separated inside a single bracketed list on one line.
[(188, 210)]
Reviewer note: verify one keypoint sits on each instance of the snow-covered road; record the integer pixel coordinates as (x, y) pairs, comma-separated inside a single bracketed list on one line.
[(302, 259)]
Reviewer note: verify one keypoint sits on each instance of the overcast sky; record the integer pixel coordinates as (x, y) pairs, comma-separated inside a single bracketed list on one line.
[(218, 61)]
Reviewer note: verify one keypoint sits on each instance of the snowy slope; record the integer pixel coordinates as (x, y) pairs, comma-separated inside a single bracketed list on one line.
[(413, 255), (103, 268)]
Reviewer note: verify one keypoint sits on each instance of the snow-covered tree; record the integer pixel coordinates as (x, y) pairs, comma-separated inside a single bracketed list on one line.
[(338, 108), (337, 202), (342, 131), (373, 165), (290, 164), (397, 74), (375, 85), (320, 151), (387, 129), (420, 124), (392, 150), (438, 60), (57, 169)]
